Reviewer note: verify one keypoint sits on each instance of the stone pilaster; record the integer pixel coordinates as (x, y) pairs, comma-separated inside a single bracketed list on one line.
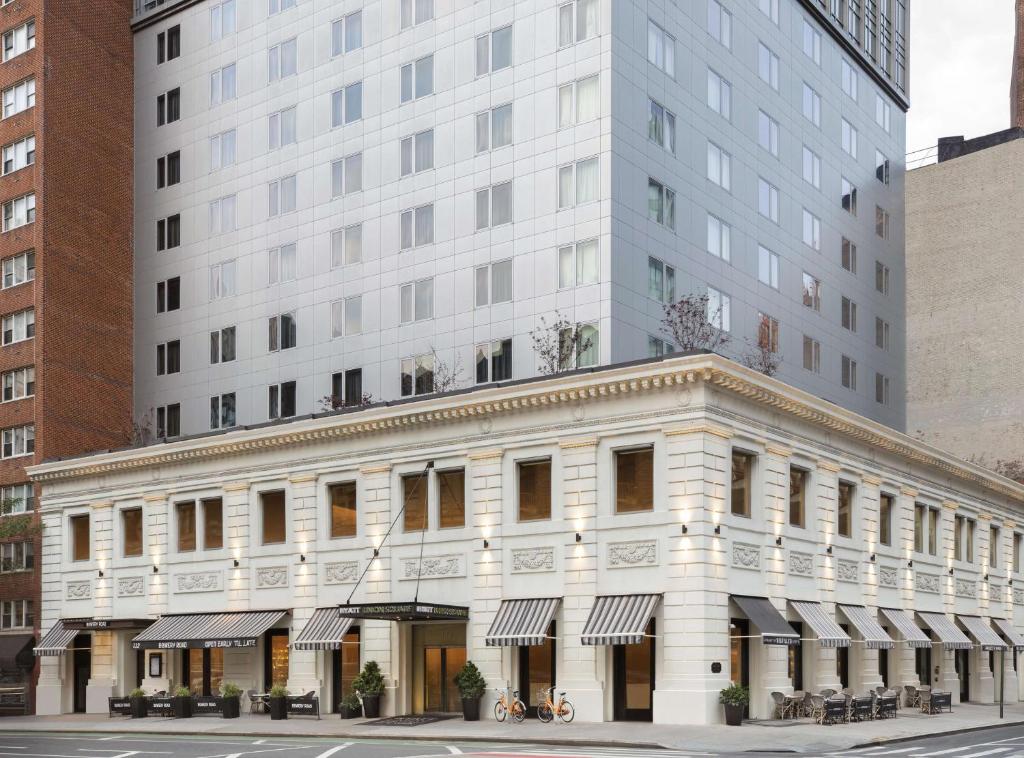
[(51, 696), (303, 674), (826, 484), (864, 662), (905, 662), (237, 541), (155, 515)]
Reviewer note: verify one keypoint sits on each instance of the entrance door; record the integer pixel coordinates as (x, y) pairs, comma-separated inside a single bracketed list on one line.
[(633, 670), (963, 672), (344, 667), (536, 671), (82, 668), (440, 665), (275, 658), (739, 655), (203, 670), (923, 664), (843, 662)]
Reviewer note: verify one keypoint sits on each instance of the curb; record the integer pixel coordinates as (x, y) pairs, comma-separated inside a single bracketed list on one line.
[(951, 732)]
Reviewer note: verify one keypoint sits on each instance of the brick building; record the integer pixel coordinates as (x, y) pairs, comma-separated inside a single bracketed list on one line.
[(65, 253)]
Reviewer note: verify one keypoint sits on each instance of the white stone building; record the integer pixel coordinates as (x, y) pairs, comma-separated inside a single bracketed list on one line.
[(749, 530)]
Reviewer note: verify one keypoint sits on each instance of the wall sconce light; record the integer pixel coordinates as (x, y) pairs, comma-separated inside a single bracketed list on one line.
[(376, 552), (302, 559), (778, 541), (100, 572), (486, 544), (155, 569), (1010, 582), (685, 530), (910, 564), (718, 528), (828, 550), (951, 571), (579, 537), (986, 577), (872, 557), (235, 562)]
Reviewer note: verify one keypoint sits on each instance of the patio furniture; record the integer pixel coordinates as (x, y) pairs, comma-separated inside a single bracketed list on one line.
[(807, 705), (782, 708), (258, 702), (940, 700), (827, 693), (835, 711), (912, 695), (304, 705), (862, 708), (925, 699), (817, 709), (887, 706)]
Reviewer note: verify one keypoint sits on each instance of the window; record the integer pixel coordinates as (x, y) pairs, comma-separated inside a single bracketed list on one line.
[(657, 347), (767, 267), (881, 333), (494, 206), (577, 21), (661, 203), (17, 556), (20, 40), (283, 60), (844, 510), (719, 309), (812, 105), (19, 212), (272, 508), (767, 332), (849, 314), (416, 12), (798, 481), (222, 411), (168, 232), (661, 281), (719, 23), (849, 138), (494, 128), (347, 388), (281, 196), (578, 264), (168, 358), (222, 214), (19, 154), (578, 346), (417, 226), (812, 42), (882, 389), (22, 96), (19, 269), (282, 128), (168, 420), (19, 383), (881, 278), (768, 133), (849, 197), (812, 168), (885, 510), (19, 326), (417, 300), (770, 8), (883, 113), (347, 33), (534, 490), (963, 539), (451, 496), (719, 238), (17, 498), (281, 400), (222, 280), (494, 361), (634, 480), (347, 104), (811, 292), (661, 48), (344, 509), (494, 283), (347, 245), (276, 6), (719, 95), (768, 200), (222, 150), (168, 169), (742, 478), (80, 538), (418, 375), (719, 166), (661, 126), (494, 51), (222, 20), (849, 79), (168, 106), (213, 523), (417, 79), (414, 502), (222, 85), (18, 614), (131, 532), (584, 176), (812, 230), (812, 354), (347, 316), (418, 152), (281, 334), (768, 66), (849, 373), (881, 222), (882, 168), (281, 264), (347, 175), (579, 101), (849, 256)]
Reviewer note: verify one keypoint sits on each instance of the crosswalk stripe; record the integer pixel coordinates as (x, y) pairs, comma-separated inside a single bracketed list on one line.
[(896, 752), (993, 751)]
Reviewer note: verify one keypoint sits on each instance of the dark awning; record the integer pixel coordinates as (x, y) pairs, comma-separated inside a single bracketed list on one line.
[(207, 630), (16, 651), (325, 630), (944, 628), (56, 641), (983, 634), (868, 627), (909, 631), (1012, 635), (774, 628), (619, 619), (88, 624), (522, 622), (405, 612), (829, 633)]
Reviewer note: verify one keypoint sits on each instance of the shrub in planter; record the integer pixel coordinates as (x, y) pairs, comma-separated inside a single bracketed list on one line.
[(735, 698), (182, 703), (278, 702), (369, 684), (137, 698), (232, 695), (471, 686), (350, 707)]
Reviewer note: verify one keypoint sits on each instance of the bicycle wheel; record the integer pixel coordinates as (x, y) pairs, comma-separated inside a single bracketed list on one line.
[(518, 711), (499, 711), (544, 713), (566, 712)]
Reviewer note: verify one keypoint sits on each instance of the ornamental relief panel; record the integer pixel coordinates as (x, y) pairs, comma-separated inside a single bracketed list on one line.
[(746, 556), (1018, 596), (927, 582), (801, 564), (966, 588), (629, 554), (200, 581), (79, 590), (533, 560), (439, 567), (345, 572), (272, 577), (848, 571), (131, 586), (888, 576)]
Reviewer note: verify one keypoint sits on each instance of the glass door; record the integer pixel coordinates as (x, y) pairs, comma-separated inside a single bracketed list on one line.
[(634, 679), (275, 658), (344, 667), (440, 665), (963, 672), (536, 671), (82, 665), (739, 655)]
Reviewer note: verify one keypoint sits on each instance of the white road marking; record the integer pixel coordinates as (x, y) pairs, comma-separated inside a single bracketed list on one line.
[(897, 752), (333, 750), (993, 751), (259, 742), (453, 750)]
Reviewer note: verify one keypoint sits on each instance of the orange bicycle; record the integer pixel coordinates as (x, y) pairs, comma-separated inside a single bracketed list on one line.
[(548, 708), (502, 708)]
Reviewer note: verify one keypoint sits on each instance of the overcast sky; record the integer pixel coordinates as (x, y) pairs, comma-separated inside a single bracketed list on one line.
[(959, 69)]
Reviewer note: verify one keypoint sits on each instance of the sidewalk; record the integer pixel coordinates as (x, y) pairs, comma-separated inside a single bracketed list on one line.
[(764, 736)]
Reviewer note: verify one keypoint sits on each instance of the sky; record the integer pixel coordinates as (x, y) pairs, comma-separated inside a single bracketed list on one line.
[(960, 53)]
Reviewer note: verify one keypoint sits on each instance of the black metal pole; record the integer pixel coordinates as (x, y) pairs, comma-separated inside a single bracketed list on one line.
[(1002, 680)]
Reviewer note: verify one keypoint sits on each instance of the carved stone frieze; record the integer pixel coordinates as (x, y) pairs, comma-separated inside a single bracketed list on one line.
[(626, 554), (847, 571), (801, 564), (888, 576), (272, 577), (927, 583), (131, 586), (79, 590), (434, 567), (533, 560), (746, 556), (344, 572), (199, 581)]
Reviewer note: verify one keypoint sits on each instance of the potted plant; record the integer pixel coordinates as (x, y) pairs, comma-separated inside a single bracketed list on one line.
[(350, 707), (369, 683), (137, 698), (182, 702), (471, 686), (735, 698), (232, 694), (278, 702)]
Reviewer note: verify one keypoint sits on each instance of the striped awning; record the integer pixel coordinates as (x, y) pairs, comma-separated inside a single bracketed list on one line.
[(207, 630), (944, 628), (56, 641), (1009, 633), (875, 637), (772, 625), (325, 630), (829, 633), (522, 622), (982, 633), (909, 631), (619, 619)]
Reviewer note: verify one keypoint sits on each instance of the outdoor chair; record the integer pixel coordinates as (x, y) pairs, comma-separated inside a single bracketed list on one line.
[(925, 700), (782, 708), (912, 695), (807, 705), (817, 711), (255, 703), (827, 693), (835, 710)]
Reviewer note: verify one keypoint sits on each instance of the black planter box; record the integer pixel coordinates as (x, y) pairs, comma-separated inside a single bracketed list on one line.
[(182, 707), (734, 715), (349, 713), (230, 707), (371, 706), (471, 709), (278, 708), (203, 705), (119, 706), (138, 707)]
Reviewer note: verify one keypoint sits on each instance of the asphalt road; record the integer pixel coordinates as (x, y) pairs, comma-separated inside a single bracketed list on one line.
[(1000, 742)]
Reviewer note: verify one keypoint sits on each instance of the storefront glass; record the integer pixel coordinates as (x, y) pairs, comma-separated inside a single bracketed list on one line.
[(276, 658)]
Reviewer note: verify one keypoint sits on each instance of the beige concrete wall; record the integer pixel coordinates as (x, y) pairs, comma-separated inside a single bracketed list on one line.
[(965, 304)]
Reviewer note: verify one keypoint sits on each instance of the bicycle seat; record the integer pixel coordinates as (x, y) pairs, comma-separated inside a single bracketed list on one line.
[(561, 694)]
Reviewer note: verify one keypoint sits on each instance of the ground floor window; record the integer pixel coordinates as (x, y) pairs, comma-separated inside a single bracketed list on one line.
[(345, 666), (633, 677), (537, 671), (883, 665), (275, 658), (796, 658), (843, 662), (203, 670), (923, 664)]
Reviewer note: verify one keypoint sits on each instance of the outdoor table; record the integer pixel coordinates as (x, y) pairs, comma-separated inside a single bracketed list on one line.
[(860, 708), (886, 707), (941, 700), (835, 711)]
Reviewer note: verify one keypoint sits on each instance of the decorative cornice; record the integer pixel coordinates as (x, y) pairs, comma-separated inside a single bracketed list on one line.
[(101, 505), (984, 517), (909, 491), (302, 478), (699, 428), (578, 443), (235, 486), (383, 468), (778, 450), (1010, 524), (825, 465), (950, 505), (871, 480), (155, 497), (486, 455)]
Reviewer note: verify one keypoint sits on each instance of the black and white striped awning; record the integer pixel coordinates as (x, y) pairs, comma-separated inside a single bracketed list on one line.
[(207, 630), (522, 622), (325, 630), (983, 634), (763, 614), (1009, 633), (619, 619), (909, 631), (829, 633), (868, 627), (944, 628), (56, 641)]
